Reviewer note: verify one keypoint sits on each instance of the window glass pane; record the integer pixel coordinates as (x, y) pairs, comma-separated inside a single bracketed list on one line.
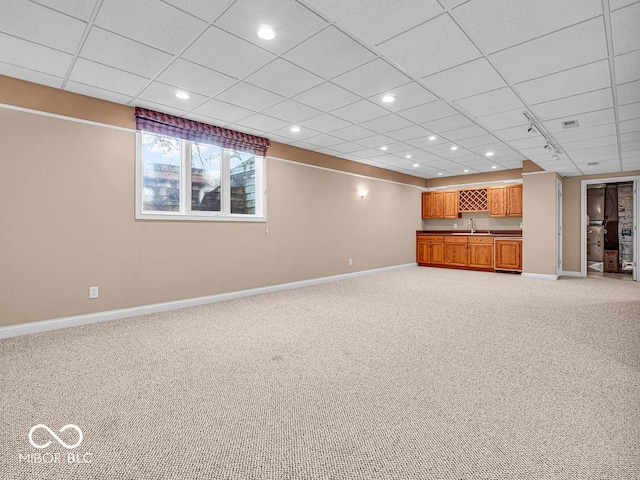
[(161, 173), (243, 183), (205, 177)]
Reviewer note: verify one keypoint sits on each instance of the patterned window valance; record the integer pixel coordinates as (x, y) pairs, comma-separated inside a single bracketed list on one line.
[(164, 124)]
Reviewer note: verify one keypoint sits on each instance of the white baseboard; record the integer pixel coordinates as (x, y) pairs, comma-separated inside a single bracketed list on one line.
[(566, 273), (65, 322), (539, 276)]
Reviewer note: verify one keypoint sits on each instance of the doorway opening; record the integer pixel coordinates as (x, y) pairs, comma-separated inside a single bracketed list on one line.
[(609, 226)]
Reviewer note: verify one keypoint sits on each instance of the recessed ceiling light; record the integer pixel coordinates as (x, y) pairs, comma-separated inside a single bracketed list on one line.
[(383, 148), (440, 173), (466, 170), (266, 32), (388, 99), (295, 129), (182, 95), (454, 148), (494, 166), (416, 165), (489, 154), (432, 138), (407, 156)]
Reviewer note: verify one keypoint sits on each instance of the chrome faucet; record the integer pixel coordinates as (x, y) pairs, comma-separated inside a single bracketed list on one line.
[(471, 224)]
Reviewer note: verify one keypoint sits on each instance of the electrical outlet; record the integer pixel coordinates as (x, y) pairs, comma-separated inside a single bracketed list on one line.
[(455, 225), (520, 224), (350, 261), (93, 292)]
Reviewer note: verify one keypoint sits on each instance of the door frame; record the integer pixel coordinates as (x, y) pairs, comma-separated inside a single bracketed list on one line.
[(559, 229), (583, 219)]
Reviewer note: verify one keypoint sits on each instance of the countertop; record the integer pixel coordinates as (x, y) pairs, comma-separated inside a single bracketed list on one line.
[(494, 233)]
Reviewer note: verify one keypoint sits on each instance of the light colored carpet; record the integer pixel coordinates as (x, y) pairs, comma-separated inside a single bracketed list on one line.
[(412, 374)]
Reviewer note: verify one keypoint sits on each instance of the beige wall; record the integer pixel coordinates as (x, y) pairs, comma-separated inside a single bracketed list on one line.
[(571, 213), (67, 223), (539, 246)]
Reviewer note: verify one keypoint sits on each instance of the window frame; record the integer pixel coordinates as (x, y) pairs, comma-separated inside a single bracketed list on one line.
[(185, 213)]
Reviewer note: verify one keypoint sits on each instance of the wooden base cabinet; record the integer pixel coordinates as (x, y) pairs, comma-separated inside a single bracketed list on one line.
[(508, 255), (430, 250), (469, 252)]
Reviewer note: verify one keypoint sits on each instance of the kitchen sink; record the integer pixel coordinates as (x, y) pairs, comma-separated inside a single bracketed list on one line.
[(474, 234)]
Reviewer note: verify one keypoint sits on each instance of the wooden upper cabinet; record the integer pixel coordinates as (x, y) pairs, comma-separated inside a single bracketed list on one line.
[(426, 204), (505, 201), (433, 205), (497, 202), (514, 201), (450, 204)]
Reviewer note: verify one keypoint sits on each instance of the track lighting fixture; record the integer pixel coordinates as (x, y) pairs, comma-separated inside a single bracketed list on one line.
[(535, 127)]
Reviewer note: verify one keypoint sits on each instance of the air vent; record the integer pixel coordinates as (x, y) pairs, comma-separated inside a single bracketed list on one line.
[(592, 164), (570, 124)]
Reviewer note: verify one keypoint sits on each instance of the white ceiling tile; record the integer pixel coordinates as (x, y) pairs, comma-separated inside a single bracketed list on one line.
[(291, 21), (372, 78), (575, 105), (571, 47), (477, 141), (165, 27), (630, 137), (324, 140), (452, 122), (627, 67), (192, 77), (34, 22), (591, 142), (488, 103), (377, 20), (107, 78), (286, 134), (424, 142), (448, 46), (409, 133), (203, 9), (499, 24), (347, 147), (206, 119), (604, 151), (326, 97), (119, 52), (375, 141), (22, 53), (359, 111), (224, 112), (352, 132), (407, 96), (629, 93), (629, 112), (81, 10), (513, 133), (263, 123), (239, 58), (427, 112), (325, 123), (283, 78), (291, 111), (512, 118), (166, 95), (630, 146), (95, 92), (585, 78), (248, 96), (616, 4), (329, 53), (30, 75), (246, 129), (386, 123), (465, 133), (574, 135), (624, 28), (474, 77), (532, 141), (629, 126), (585, 120)]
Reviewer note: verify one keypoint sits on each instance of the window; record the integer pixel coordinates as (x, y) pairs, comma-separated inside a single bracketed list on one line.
[(191, 179)]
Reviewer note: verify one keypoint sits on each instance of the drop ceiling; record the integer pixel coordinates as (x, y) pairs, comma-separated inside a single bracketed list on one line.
[(464, 72)]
